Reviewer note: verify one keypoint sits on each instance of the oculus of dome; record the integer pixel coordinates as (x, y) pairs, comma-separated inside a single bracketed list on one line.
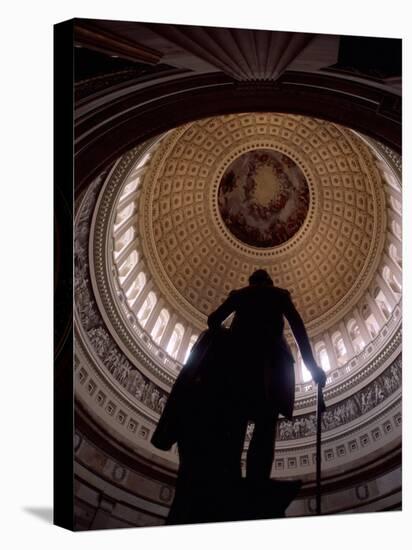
[(263, 198)]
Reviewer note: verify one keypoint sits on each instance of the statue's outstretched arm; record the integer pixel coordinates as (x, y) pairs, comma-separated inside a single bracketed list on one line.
[(299, 332)]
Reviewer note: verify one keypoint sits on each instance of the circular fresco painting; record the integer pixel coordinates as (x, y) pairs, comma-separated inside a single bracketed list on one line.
[(263, 198)]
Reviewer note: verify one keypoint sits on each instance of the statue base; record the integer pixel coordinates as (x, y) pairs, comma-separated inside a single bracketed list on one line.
[(200, 501)]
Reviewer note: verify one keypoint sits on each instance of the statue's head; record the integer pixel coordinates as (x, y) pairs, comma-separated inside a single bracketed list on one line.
[(260, 277)]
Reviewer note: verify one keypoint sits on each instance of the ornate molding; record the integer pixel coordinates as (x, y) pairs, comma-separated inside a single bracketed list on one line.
[(348, 410)]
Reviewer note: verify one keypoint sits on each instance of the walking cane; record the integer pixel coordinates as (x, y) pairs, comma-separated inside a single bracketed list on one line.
[(320, 408)]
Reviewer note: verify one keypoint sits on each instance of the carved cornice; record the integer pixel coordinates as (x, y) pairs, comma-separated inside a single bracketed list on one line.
[(139, 110)]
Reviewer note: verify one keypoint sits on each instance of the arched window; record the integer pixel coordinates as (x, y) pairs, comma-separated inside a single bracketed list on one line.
[(324, 359), (160, 325), (371, 326), (393, 253), (147, 307), (190, 346), (370, 320), (382, 302), (175, 340), (128, 265), (143, 160), (322, 355), (396, 228), (339, 347), (392, 281), (129, 188), (389, 177), (124, 240), (306, 376), (124, 214), (136, 287), (355, 336), (396, 205)]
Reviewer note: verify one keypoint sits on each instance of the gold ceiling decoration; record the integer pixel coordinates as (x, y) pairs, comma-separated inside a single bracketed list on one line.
[(196, 260)]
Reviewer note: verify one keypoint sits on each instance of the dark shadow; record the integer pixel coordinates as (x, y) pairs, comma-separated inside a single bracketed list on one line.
[(202, 417), (42, 512), (234, 375), (211, 500)]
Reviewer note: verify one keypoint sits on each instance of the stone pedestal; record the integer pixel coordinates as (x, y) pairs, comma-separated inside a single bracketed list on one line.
[(235, 500)]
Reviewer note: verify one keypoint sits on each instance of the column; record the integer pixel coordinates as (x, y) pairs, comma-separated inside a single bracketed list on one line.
[(151, 321), (347, 340), (181, 354), (331, 350), (168, 331), (375, 309), (137, 304), (386, 290), (362, 326)]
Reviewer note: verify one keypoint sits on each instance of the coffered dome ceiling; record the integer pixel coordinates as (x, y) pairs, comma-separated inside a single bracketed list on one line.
[(298, 196)]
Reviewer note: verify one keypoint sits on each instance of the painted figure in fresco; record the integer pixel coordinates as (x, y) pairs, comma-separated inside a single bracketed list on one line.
[(262, 371)]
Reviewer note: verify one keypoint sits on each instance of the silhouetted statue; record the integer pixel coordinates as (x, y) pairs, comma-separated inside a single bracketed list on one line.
[(232, 376), (263, 372), (199, 417)]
